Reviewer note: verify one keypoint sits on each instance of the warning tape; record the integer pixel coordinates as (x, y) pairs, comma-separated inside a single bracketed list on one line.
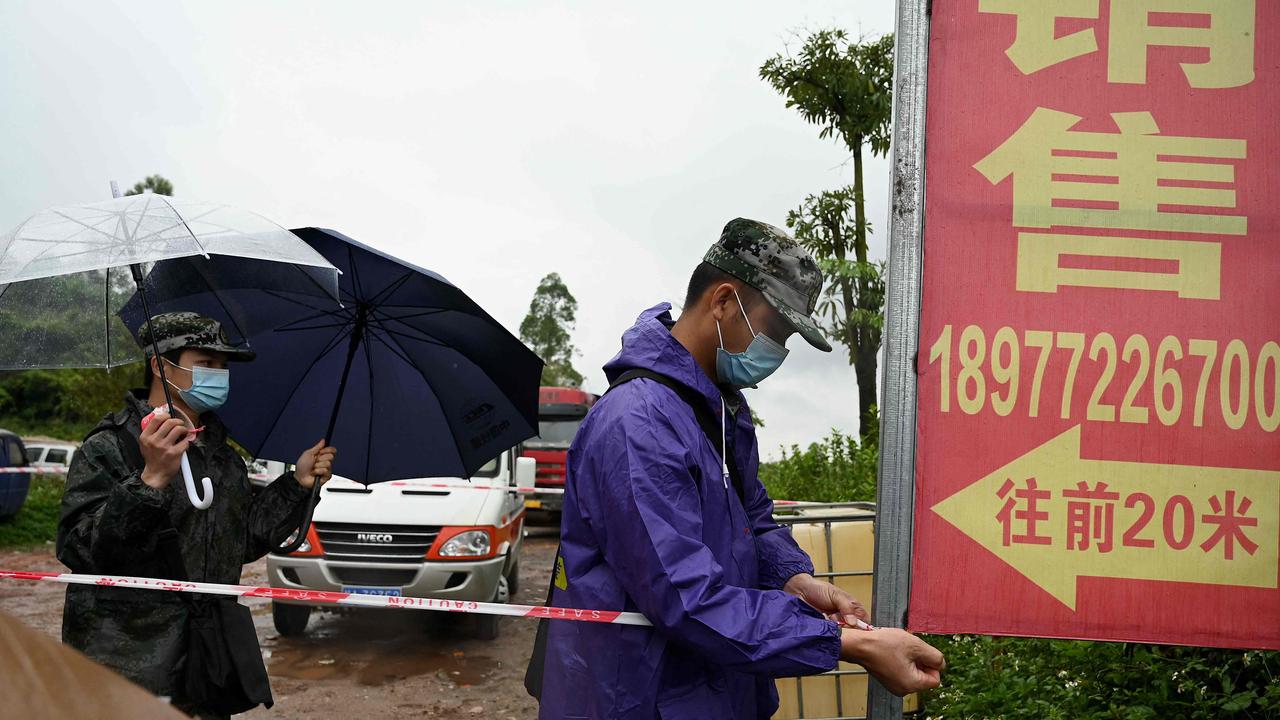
[(447, 486), (47, 470), (323, 597), (546, 491)]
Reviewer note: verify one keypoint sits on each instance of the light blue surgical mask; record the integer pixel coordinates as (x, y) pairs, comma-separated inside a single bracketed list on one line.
[(209, 389), (747, 368)]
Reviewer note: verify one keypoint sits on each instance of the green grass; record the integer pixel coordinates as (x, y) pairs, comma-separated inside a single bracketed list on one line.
[(37, 521)]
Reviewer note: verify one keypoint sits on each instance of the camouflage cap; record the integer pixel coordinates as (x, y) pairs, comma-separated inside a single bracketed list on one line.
[(188, 330), (771, 261)]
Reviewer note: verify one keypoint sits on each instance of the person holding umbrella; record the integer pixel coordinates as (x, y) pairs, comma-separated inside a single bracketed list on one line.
[(122, 516)]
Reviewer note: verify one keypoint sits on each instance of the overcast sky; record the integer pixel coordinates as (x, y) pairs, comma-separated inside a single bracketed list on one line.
[(491, 142)]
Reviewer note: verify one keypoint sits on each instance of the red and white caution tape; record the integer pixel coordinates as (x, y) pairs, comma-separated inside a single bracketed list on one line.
[(321, 597), (47, 470), (544, 490), (453, 486)]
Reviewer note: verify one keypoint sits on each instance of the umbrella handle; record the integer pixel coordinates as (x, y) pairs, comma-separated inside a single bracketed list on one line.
[(304, 526), (192, 493)]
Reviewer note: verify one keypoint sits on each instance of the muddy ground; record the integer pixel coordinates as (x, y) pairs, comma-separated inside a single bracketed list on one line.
[(365, 663)]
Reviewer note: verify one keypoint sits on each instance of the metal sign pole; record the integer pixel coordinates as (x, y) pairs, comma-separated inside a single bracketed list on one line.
[(895, 494)]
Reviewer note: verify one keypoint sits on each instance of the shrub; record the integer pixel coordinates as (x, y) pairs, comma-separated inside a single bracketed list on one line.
[(836, 469), (37, 521), (1032, 678)]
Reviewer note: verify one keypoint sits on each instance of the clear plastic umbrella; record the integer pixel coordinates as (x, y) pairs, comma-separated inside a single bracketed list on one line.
[(65, 273)]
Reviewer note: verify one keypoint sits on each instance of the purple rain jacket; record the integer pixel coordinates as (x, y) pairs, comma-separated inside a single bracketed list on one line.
[(648, 525)]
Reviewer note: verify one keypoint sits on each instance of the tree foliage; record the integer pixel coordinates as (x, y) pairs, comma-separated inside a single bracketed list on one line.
[(546, 329), (838, 468), (63, 403), (155, 183), (852, 304), (842, 85), (68, 329), (845, 87)]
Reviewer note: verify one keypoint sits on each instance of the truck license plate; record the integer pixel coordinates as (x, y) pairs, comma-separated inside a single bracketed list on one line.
[(357, 590)]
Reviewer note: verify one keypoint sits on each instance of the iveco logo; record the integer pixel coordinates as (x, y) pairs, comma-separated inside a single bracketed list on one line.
[(373, 537)]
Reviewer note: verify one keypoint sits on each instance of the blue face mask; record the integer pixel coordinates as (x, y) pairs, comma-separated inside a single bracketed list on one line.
[(749, 367), (209, 389)]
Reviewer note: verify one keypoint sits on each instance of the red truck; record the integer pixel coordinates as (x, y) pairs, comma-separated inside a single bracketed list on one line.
[(560, 412)]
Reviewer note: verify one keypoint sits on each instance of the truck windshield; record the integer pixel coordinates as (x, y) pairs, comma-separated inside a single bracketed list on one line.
[(489, 469), (554, 433)]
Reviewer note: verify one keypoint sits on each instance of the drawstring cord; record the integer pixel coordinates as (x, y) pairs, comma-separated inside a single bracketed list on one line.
[(724, 447)]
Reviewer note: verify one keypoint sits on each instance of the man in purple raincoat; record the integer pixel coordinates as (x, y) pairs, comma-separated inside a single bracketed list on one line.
[(652, 522)]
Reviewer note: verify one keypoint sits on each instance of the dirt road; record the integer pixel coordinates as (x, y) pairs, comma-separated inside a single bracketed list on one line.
[(372, 663)]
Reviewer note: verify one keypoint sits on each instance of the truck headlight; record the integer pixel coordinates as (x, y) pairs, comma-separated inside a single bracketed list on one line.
[(472, 543), (305, 547)]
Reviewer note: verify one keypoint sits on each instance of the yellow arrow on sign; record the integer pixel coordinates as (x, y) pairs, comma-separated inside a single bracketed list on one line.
[(1186, 507)]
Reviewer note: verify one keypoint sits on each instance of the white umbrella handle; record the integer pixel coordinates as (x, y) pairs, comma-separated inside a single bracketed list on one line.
[(192, 493)]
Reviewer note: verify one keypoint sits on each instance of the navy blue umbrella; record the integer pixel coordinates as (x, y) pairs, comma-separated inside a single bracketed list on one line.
[(408, 377)]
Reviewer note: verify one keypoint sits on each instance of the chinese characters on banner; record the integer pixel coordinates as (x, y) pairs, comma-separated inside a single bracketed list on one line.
[(1099, 368)]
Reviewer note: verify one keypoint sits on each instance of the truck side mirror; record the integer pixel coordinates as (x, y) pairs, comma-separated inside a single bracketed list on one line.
[(526, 472)]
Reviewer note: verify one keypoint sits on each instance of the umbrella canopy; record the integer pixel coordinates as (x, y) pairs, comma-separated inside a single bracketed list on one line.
[(65, 272), (63, 277), (409, 378)]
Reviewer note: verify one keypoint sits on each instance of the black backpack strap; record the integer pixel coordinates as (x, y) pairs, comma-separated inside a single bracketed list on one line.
[(710, 427), (538, 658), (116, 424)]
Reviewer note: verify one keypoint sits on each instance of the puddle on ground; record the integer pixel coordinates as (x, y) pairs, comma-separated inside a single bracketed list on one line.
[(376, 648)]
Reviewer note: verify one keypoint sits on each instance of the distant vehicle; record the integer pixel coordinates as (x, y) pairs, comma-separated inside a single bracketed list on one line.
[(52, 455), (444, 538), (262, 472), (13, 485), (560, 412)]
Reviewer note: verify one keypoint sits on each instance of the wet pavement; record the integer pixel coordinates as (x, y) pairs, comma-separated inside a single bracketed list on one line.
[(360, 662)]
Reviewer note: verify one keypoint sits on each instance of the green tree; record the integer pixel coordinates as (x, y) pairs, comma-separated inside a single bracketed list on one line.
[(846, 87), (546, 329), (155, 183), (851, 308)]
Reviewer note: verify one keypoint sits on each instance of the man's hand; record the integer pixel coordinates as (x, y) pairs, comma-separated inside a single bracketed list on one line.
[(162, 443), (317, 461), (826, 598), (902, 662)]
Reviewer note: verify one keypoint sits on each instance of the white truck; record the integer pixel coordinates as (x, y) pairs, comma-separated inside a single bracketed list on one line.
[(445, 538)]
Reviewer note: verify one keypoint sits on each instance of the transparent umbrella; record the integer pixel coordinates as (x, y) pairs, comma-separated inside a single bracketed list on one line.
[(66, 272)]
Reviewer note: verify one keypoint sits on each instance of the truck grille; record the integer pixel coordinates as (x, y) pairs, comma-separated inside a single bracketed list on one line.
[(358, 542)]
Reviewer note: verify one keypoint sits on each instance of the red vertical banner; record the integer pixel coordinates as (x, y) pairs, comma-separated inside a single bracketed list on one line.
[(1099, 367)]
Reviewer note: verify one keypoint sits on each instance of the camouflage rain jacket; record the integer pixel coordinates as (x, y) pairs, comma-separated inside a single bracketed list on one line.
[(109, 523)]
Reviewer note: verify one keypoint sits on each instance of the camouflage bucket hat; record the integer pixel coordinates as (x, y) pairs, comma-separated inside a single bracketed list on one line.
[(188, 330), (772, 262)]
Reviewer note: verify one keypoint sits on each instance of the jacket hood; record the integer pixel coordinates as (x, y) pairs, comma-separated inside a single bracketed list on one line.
[(649, 344)]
